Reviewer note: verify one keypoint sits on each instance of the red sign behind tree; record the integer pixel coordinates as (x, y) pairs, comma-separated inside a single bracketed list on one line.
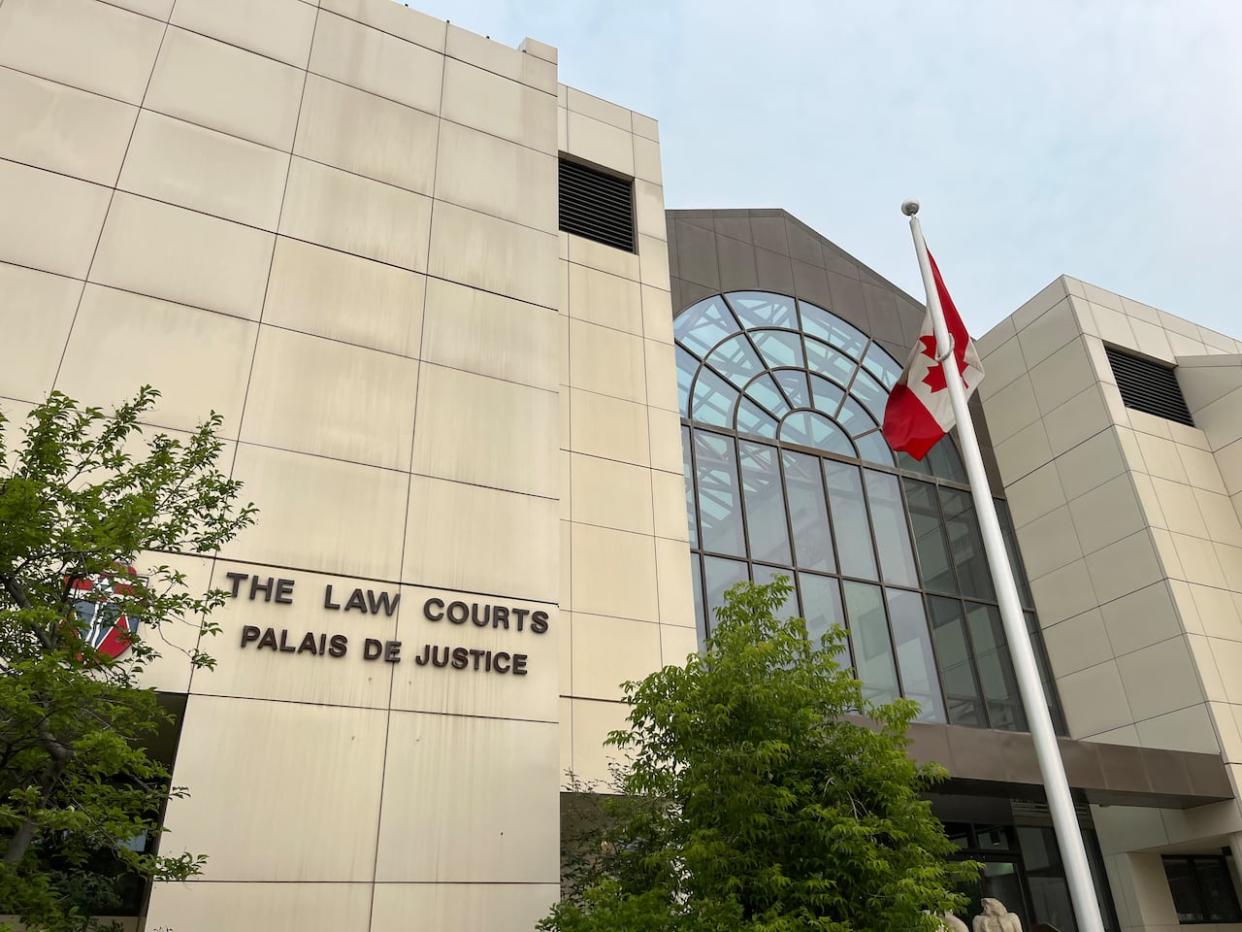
[(101, 622)]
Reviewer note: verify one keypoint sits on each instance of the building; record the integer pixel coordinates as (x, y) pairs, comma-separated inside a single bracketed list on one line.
[(477, 379), (1124, 529), (1115, 429)]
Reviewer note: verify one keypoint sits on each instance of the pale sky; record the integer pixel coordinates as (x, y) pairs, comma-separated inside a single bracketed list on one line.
[(1099, 138)]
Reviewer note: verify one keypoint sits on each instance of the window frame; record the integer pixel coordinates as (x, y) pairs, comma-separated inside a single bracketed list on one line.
[(1194, 862), (903, 475)]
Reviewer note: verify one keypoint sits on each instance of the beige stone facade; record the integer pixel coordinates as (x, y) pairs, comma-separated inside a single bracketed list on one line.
[(336, 224), (1129, 527), (626, 604)]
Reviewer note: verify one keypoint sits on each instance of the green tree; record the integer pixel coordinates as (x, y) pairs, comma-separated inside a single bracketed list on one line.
[(763, 792), (83, 497)]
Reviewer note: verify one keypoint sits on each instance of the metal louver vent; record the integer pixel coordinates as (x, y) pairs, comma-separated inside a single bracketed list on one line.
[(596, 205), (1032, 812), (1148, 386)]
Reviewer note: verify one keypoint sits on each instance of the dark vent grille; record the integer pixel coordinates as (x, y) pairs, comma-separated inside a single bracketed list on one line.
[(597, 206), (1148, 386), (1033, 812)]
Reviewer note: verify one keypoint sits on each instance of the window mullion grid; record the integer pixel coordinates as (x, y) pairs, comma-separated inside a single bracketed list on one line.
[(973, 654), (836, 563), (968, 601), (936, 482), (1200, 898), (972, 665), (748, 557), (694, 384), (879, 575), (754, 347), (794, 558), (698, 523), (710, 367), (764, 408), (793, 545), (835, 575), (795, 571), (768, 371), (815, 451), (747, 332), (741, 504), (943, 524), (806, 359), (703, 363), (943, 530), (733, 410), (849, 386), (922, 591)]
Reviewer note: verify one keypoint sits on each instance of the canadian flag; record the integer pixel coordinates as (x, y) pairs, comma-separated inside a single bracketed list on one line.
[(919, 411)]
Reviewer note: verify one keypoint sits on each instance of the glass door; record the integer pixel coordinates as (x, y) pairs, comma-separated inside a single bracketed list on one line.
[(1001, 879)]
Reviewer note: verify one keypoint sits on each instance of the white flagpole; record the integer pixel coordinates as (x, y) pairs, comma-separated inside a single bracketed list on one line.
[(1064, 818)]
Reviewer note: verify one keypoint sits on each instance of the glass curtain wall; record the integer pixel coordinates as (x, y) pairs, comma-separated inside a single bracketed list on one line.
[(788, 474)]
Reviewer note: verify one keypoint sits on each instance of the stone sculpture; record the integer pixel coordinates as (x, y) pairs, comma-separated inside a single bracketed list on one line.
[(952, 923), (995, 918)]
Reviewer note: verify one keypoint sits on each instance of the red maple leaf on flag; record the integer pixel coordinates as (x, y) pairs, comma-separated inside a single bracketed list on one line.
[(935, 378), (918, 413)]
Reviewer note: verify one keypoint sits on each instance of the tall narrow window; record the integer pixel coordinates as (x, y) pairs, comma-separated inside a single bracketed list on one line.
[(849, 516), (892, 539), (821, 607), (765, 503), (692, 512), (929, 537), (915, 659), (966, 544), (873, 650), (957, 674), (696, 578), (720, 510), (719, 576), (996, 674), (808, 513)]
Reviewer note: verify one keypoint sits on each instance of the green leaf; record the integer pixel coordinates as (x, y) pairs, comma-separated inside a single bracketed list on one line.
[(83, 496), (761, 791)]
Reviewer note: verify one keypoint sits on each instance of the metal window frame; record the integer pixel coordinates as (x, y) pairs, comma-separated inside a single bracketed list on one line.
[(735, 437), (1194, 861)]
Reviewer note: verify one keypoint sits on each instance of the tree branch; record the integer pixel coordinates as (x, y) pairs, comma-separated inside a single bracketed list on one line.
[(18, 595)]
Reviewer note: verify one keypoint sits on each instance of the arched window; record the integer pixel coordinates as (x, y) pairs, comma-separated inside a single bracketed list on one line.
[(788, 473), (769, 366)]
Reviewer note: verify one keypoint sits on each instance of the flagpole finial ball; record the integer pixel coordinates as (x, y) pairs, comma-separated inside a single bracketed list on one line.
[(910, 208)]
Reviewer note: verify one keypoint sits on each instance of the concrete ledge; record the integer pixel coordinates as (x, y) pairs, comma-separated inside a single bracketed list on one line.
[(989, 762)]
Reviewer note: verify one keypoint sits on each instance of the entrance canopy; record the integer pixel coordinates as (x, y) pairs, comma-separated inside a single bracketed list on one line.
[(988, 762)]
